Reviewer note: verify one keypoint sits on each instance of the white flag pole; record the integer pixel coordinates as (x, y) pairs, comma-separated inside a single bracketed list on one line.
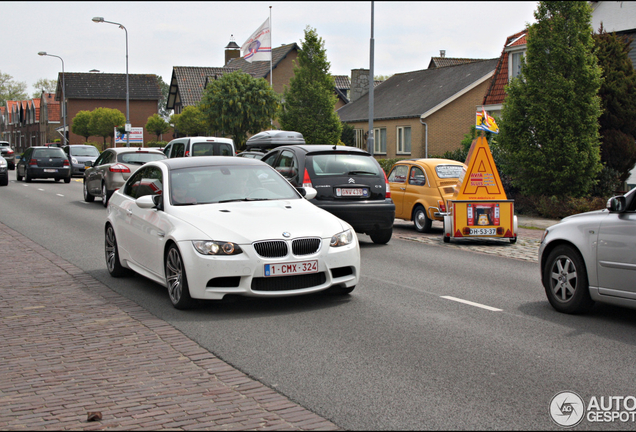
[(271, 53)]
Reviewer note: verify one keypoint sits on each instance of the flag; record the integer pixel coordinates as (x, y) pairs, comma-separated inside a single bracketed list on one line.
[(259, 46), (486, 123)]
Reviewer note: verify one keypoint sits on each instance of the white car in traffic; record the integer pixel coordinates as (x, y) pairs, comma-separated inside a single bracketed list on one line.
[(211, 226)]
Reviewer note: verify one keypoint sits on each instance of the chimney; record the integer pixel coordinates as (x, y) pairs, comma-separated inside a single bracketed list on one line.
[(232, 50), (359, 83), (442, 53)]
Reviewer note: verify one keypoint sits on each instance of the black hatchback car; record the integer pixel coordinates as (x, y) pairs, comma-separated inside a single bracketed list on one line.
[(44, 162), (350, 183)]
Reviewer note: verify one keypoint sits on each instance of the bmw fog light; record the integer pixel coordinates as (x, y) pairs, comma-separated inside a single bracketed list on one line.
[(209, 247), (341, 239)]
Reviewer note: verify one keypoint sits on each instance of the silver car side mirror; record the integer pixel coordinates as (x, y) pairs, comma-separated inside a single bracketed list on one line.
[(616, 204)]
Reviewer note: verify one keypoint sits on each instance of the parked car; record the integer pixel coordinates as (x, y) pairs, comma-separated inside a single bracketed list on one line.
[(7, 152), (199, 146), (4, 172), (350, 184), (591, 257), (420, 189), (79, 154), (112, 168), (41, 162), (208, 227)]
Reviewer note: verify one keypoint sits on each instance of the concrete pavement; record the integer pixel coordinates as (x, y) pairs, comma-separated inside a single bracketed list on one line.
[(72, 349)]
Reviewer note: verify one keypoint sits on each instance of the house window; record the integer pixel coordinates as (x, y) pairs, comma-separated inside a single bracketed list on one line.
[(515, 60), (403, 140), (360, 141), (379, 141)]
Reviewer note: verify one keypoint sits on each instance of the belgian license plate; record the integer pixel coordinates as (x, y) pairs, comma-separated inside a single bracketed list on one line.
[(294, 268), (50, 170), (483, 231), (354, 192)]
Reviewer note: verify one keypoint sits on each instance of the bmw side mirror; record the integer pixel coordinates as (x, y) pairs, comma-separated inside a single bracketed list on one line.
[(158, 200), (616, 204), (307, 192)]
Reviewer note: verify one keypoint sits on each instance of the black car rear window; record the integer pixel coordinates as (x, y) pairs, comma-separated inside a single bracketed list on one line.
[(48, 152), (343, 164), (139, 157)]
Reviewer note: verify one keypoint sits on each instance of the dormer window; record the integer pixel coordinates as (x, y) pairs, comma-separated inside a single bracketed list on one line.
[(515, 60)]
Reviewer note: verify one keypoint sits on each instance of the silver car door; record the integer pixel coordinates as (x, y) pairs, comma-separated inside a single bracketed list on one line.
[(617, 254)]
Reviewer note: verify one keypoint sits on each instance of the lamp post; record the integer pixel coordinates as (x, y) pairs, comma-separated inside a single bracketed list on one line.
[(44, 53), (121, 26)]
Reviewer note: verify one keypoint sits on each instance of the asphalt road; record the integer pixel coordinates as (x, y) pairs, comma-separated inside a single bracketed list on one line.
[(433, 337)]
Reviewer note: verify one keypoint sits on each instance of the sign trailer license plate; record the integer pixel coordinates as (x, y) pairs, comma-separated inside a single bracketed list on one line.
[(483, 231), (295, 268)]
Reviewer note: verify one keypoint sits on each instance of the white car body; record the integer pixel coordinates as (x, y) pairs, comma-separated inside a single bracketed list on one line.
[(144, 234)]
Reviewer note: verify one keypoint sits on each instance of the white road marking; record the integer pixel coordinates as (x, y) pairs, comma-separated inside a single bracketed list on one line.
[(59, 195), (490, 308)]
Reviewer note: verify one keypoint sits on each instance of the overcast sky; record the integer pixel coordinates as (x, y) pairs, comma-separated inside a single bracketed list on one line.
[(166, 34)]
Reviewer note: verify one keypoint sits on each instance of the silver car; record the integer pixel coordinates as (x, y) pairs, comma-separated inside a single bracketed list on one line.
[(8, 154), (591, 257), (112, 168)]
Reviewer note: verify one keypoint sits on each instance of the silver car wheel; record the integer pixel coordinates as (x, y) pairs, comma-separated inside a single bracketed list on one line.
[(422, 222), (174, 273), (564, 278), (104, 195), (112, 255)]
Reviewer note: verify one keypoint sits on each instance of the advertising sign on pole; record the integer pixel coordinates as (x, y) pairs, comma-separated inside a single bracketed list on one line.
[(136, 136)]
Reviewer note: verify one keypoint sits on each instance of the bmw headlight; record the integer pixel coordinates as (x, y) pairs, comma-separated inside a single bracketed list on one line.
[(341, 239), (210, 247)]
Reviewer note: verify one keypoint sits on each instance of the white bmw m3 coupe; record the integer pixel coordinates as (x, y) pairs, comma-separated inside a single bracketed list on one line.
[(211, 226)]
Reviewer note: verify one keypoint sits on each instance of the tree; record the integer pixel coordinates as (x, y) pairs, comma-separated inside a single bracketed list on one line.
[(348, 135), (157, 125), (238, 104), (44, 85), (81, 124), (618, 99), (190, 122), (104, 121), (310, 101), (165, 90), (549, 127), (10, 89)]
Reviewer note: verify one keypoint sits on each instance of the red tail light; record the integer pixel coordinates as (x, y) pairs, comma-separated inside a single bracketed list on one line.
[(10, 152), (388, 188), (307, 180), (66, 163), (119, 168), (442, 206), (33, 162)]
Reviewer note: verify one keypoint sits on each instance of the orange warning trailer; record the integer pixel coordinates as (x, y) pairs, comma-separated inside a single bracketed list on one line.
[(479, 207)]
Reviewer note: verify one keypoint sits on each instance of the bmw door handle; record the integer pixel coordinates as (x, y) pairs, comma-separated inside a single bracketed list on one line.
[(161, 234), (129, 212)]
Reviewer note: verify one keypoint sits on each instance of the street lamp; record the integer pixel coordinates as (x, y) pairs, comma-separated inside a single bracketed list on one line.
[(121, 26), (43, 53)]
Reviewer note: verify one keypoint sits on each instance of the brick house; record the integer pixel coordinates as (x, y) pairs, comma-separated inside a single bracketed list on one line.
[(421, 113), (187, 82), (87, 91), (23, 124)]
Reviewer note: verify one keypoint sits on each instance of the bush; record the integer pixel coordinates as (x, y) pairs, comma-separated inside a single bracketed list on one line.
[(556, 207)]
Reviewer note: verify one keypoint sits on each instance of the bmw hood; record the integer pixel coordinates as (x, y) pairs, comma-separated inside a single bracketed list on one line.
[(246, 222)]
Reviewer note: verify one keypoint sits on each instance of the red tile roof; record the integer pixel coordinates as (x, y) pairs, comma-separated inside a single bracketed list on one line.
[(496, 93)]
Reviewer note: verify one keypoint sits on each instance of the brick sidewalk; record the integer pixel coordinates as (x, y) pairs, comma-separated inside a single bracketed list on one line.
[(70, 346)]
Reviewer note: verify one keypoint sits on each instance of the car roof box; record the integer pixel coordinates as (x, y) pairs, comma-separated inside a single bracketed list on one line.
[(274, 138)]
